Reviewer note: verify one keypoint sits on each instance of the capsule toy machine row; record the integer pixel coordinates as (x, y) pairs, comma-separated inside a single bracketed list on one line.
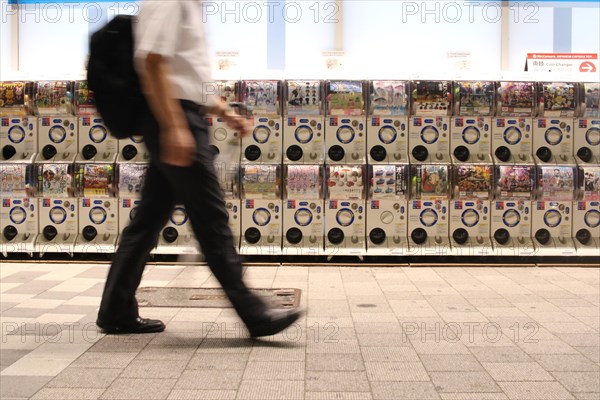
[(57, 124), (429, 124), (95, 143), (58, 208), (586, 213), (553, 210), (428, 215), (514, 190), (512, 133), (587, 126), (261, 227), (18, 125), (387, 122), (345, 129), (345, 215), (387, 213), (177, 236), (303, 122), (130, 180), (225, 142), (19, 208), (262, 100), (470, 210), (303, 210), (471, 127)]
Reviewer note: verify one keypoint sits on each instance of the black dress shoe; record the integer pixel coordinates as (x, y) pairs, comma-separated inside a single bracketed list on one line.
[(273, 322), (140, 325)]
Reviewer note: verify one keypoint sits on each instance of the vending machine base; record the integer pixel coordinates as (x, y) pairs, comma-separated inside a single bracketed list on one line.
[(62, 243), (262, 249), (22, 243), (309, 248), (475, 246), (590, 249), (560, 246), (184, 244), (432, 246), (102, 243), (392, 247), (515, 247)]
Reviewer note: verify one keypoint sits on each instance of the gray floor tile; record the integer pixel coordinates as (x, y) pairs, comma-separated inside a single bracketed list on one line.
[(382, 339), (473, 396), (579, 381), (210, 380), (104, 360), (220, 346), (451, 362), (271, 390), (469, 382), (56, 295), (122, 343), (8, 357), (519, 372), (68, 394), (565, 362), (190, 394), (77, 377), (271, 352), (396, 371), (21, 386), (397, 354), (593, 353), (135, 389), (535, 391), (163, 369), (547, 347), (334, 362), (500, 354), (587, 396), (207, 361), (336, 381), (337, 347), (338, 396), (404, 391), (283, 371)]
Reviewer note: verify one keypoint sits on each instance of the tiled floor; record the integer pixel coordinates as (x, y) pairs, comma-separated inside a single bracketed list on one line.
[(369, 333)]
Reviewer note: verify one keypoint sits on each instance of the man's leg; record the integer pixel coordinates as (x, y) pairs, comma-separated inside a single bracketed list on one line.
[(119, 305)]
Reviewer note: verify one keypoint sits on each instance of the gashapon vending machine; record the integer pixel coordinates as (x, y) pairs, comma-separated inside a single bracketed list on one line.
[(261, 210), (177, 236), (18, 127), (57, 124), (98, 208), (586, 213), (19, 208), (262, 101), (303, 210), (428, 214), (470, 210), (345, 215), (587, 125), (95, 142), (429, 125), (512, 210), (552, 212), (471, 128), (387, 214), (225, 141), (553, 129), (512, 127), (387, 122), (58, 208), (131, 179), (304, 123), (345, 140)]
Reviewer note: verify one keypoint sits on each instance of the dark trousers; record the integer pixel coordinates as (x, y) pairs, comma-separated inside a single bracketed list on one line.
[(196, 187)]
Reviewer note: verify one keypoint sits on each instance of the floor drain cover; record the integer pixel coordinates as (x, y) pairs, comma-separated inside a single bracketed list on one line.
[(210, 297)]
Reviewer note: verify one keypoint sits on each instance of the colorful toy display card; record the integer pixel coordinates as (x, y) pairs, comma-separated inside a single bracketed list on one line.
[(430, 182), (304, 97), (55, 180), (591, 183), (95, 180), (389, 98), (14, 98), (474, 97), (557, 183), (559, 99), (431, 98), (473, 181), (304, 182), (515, 182), (389, 182), (345, 182), (591, 95), (345, 98), (261, 181), (53, 97), (261, 97), (227, 91), (516, 99), (84, 99), (131, 179), (15, 180)]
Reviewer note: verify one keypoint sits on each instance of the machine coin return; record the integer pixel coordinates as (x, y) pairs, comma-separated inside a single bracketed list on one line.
[(211, 297)]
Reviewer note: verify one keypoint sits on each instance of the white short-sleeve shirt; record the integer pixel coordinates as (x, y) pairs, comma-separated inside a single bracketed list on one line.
[(174, 29)]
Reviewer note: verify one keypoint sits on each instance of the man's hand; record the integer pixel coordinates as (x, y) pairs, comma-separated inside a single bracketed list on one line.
[(237, 122), (177, 147)]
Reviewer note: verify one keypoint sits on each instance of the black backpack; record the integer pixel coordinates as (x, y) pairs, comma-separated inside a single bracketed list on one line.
[(112, 77)]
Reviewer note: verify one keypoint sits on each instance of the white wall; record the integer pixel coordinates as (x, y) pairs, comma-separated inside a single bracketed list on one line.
[(586, 29), (530, 31)]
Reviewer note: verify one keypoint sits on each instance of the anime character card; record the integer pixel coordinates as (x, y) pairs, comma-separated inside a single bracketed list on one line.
[(14, 98), (516, 99), (304, 182), (304, 97), (345, 98), (389, 182), (53, 97), (55, 180), (515, 182), (261, 181), (15, 180), (473, 181), (557, 183), (559, 99), (591, 96), (474, 98), (345, 182), (131, 179), (591, 183), (389, 98), (431, 98), (261, 97), (95, 180), (430, 182), (84, 99)]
